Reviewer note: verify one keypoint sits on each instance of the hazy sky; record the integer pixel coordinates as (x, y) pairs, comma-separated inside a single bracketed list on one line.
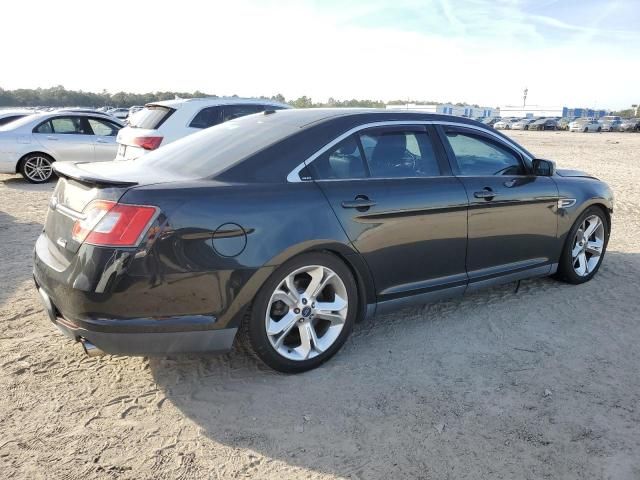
[(567, 52)]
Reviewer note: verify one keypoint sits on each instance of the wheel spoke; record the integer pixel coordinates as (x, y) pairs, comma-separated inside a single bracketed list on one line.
[(582, 264), (593, 225), (329, 276), (291, 286), (286, 297), (576, 249), (282, 326), (334, 318), (336, 305), (316, 275), (308, 341), (594, 247)]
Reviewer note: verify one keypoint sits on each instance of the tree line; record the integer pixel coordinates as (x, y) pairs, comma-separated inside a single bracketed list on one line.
[(58, 96)]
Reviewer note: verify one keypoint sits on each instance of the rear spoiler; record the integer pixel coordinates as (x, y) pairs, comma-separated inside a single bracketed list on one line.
[(71, 170)]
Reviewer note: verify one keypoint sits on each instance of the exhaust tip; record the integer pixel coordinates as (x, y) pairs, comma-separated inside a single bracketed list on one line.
[(90, 349)]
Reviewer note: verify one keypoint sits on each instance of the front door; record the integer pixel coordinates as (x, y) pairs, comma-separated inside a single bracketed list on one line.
[(398, 203), (512, 213)]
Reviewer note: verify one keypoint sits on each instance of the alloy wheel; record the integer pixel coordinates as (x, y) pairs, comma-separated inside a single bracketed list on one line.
[(588, 245), (38, 168), (306, 312)]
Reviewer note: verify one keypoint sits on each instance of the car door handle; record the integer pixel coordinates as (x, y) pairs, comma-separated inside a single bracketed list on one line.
[(52, 138), (102, 140), (486, 194), (359, 203)]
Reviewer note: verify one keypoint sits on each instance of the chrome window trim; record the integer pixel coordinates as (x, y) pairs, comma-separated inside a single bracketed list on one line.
[(294, 175)]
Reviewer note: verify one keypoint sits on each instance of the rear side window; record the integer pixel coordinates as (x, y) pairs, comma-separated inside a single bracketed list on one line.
[(207, 117), (43, 128), (151, 116), (229, 112), (478, 156), (379, 154), (393, 154), (341, 162)]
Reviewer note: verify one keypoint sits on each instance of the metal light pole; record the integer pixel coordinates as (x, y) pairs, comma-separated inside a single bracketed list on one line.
[(524, 97)]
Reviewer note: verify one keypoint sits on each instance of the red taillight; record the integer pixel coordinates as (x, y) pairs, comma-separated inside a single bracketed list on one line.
[(148, 143), (112, 224)]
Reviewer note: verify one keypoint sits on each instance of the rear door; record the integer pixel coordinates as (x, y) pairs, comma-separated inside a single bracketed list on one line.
[(400, 206), (68, 138), (104, 138), (512, 213)]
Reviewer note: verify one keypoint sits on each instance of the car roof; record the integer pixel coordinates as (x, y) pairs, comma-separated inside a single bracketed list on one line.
[(8, 112), (59, 113), (218, 101), (305, 117)]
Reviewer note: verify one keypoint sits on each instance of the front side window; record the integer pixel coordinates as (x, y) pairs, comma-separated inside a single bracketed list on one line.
[(207, 117), (478, 156), (393, 154)]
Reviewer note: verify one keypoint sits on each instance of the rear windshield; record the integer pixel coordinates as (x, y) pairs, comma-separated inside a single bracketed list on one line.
[(212, 151), (9, 119), (150, 116), (16, 123)]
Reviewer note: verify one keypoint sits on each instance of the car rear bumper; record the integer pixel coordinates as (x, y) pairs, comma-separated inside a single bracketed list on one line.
[(144, 336), (128, 316)]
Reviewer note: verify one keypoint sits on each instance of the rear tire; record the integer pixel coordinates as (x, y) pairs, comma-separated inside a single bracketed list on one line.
[(37, 168), (303, 313), (584, 250)]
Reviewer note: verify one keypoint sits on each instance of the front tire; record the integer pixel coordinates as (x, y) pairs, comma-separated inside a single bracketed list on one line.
[(585, 247), (37, 168), (303, 314)]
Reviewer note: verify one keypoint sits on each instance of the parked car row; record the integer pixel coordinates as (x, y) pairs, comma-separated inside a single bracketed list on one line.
[(31, 142), (572, 124)]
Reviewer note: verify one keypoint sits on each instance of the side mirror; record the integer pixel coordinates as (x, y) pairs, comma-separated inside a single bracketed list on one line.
[(543, 168)]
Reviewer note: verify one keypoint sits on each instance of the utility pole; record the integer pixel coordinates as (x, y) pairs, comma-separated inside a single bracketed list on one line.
[(524, 97)]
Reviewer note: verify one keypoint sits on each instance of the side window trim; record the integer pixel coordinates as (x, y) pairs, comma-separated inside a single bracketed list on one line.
[(443, 129), (294, 175)]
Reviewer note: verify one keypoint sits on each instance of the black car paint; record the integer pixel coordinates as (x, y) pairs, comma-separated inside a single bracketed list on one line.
[(169, 293)]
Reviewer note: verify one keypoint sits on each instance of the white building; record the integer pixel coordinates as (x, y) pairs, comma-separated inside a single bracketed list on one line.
[(448, 109)]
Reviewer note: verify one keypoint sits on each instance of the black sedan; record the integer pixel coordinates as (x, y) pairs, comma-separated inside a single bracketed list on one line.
[(285, 228), (544, 124)]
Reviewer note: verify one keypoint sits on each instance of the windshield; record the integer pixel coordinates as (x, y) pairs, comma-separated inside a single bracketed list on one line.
[(216, 149), (149, 117)]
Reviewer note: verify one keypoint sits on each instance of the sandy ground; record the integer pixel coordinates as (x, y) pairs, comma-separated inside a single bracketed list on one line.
[(543, 383)]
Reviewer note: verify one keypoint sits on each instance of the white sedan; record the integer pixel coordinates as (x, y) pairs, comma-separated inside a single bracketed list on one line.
[(585, 126), (31, 144)]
